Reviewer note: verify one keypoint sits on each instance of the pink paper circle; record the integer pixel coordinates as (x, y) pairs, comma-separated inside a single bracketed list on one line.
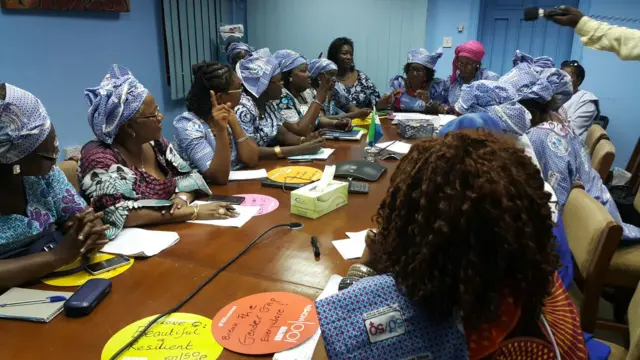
[(267, 203)]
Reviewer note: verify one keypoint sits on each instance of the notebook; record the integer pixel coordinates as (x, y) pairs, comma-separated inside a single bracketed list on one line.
[(35, 312), (343, 135)]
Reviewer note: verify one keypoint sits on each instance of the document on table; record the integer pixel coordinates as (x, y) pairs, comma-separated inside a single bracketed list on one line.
[(323, 154), (140, 242), (444, 119), (413, 116), (247, 174), (305, 350), (399, 147), (246, 213)]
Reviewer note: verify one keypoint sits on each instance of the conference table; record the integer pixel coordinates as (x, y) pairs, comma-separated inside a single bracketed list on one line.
[(282, 261)]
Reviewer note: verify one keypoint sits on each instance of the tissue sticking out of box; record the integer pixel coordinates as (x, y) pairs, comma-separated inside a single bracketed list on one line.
[(327, 177)]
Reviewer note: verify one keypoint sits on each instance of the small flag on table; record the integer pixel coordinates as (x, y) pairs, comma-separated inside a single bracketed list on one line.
[(375, 132)]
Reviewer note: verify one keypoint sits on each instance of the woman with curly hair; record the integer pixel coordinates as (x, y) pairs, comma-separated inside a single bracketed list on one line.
[(466, 245)]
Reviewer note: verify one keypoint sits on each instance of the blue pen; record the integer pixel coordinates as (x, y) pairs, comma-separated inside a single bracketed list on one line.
[(49, 299)]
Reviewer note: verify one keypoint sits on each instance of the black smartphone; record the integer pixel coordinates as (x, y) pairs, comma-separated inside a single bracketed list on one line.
[(233, 200), (106, 265)]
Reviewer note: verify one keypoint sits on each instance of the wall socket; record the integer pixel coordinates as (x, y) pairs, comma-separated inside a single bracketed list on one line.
[(71, 151), (447, 42)]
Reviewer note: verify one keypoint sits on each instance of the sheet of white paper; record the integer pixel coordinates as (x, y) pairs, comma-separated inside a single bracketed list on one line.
[(140, 242), (246, 213), (305, 350), (323, 154), (360, 235), (247, 174), (350, 248), (400, 147), (444, 119), (413, 116)]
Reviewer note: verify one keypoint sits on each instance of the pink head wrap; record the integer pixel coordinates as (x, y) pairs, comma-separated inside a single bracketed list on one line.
[(472, 49)]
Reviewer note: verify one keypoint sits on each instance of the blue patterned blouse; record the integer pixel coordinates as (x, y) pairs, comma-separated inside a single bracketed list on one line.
[(51, 199), (263, 129), (437, 93), (197, 144), (456, 87)]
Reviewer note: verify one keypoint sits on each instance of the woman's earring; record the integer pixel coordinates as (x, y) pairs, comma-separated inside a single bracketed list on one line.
[(16, 169), (133, 134), (290, 79)]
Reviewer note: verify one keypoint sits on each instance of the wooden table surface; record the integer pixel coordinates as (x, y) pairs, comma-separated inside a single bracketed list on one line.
[(282, 261)]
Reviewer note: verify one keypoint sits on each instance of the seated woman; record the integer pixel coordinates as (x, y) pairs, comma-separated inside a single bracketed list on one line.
[(301, 105), (322, 70), (525, 100), (36, 196), (467, 68), (130, 161), (420, 90), (259, 115), (584, 107), (467, 263), (237, 51), (354, 85), (209, 135)]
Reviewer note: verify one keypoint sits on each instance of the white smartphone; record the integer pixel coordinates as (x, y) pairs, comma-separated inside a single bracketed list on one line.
[(106, 265)]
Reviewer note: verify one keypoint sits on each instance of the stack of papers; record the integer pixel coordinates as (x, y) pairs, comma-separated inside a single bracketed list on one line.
[(247, 174), (140, 242), (353, 247), (399, 147), (246, 213), (323, 154)]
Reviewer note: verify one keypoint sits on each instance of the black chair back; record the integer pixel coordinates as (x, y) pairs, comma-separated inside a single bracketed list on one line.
[(603, 121)]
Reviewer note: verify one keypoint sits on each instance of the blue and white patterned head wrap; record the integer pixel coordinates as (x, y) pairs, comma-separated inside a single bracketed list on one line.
[(530, 79), (318, 66), (235, 48), (423, 57), (114, 102), (472, 121), (24, 124), (288, 60), (257, 71)]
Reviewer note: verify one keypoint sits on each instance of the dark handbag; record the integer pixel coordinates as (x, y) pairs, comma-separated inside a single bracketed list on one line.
[(45, 241), (623, 196)]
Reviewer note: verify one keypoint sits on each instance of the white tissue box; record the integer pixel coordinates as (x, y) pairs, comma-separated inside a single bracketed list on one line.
[(313, 204)]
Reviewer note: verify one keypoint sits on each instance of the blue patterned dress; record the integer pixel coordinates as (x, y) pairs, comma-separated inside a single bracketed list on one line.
[(362, 94), (456, 87), (51, 199), (438, 91), (264, 130), (197, 144), (564, 160)]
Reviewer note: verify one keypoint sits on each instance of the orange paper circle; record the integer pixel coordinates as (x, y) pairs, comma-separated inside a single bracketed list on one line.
[(295, 174), (265, 323)]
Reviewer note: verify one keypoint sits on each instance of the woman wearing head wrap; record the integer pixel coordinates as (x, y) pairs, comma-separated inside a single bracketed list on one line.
[(525, 100), (131, 162), (259, 115), (300, 105), (326, 70), (584, 107), (354, 85), (420, 90), (36, 196), (467, 68), (465, 255), (237, 51), (209, 135)]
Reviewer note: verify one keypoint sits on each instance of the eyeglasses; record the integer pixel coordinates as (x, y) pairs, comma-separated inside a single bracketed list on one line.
[(465, 64), (572, 63), (416, 69), (155, 115)]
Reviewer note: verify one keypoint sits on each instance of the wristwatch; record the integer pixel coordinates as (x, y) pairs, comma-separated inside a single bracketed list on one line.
[(183, 197)]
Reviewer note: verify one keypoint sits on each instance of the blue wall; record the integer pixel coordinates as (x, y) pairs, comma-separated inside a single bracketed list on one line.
[(614, 81), (56, 55)]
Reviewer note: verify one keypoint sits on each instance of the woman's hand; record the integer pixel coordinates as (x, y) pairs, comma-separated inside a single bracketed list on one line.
[(178, 204), (387, 99), (85, 233), (325, 88), (313, 136), (343, 124), (216, 211), (572, 18), (363, 113), (219, 114), (423, 95), (311, 147)]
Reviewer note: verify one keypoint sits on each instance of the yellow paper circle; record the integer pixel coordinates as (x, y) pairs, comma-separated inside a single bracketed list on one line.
[(177, 336), (82, 277), (295, 174)]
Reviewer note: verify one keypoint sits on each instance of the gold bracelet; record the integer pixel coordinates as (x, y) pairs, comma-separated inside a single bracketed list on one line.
[(195, 207), (278, 152)]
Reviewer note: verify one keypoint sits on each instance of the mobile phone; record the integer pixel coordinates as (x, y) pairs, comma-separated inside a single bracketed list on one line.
[(106, 265), (233, 200)]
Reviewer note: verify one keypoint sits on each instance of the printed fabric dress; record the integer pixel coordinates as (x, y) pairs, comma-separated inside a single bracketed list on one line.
[(51, 199), (264, 130), (456, 87), (291, 109), (114, 187), (564, 160), (197, 144), (362, 94), (407, 102)]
